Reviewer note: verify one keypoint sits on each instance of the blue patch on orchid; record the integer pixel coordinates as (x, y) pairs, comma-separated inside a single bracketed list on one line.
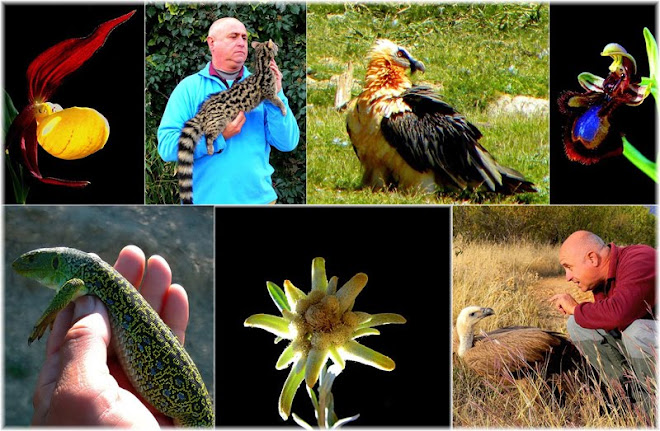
[(587, 125)]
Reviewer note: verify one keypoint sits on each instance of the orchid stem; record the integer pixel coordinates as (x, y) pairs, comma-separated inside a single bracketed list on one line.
[(19, 185), (637, 159)]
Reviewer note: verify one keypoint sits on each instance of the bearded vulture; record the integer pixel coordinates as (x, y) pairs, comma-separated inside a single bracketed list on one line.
[(406, 137)]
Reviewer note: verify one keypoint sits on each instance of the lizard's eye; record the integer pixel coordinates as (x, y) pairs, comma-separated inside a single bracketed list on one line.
[(56, 262)]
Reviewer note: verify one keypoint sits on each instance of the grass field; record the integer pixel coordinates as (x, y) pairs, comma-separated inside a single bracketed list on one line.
[(473, 54), (516, 280)]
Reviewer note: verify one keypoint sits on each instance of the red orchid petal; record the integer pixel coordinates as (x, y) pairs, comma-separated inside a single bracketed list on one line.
[(29, 148), (26, 126), (46, 72), (66, 183), (18, 126)]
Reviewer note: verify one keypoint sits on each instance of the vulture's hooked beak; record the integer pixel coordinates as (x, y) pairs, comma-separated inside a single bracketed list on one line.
[(416, 65), (487, 312)]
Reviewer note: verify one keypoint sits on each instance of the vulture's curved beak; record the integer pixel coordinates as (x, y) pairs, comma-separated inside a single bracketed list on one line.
[(487, 312), (416, 65)]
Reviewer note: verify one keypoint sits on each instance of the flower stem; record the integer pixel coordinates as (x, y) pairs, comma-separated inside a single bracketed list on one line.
[(19, 184), (637, 159)]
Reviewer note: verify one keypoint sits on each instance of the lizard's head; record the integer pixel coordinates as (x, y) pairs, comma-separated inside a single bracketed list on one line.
[(46, 265)]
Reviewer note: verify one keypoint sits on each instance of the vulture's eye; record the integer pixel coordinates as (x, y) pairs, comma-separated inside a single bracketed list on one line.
[(472, 314), (400, 54)]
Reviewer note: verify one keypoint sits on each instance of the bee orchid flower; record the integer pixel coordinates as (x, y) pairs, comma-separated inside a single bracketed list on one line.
[(592, 132), (68, 134)]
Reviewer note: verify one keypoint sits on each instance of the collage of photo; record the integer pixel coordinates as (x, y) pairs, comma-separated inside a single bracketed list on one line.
[(207, 207)]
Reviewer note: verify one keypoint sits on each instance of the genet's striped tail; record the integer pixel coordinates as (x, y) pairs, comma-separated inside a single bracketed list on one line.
[(190, 134)]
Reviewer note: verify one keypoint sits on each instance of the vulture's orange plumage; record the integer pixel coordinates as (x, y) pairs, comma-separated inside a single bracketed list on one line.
[(405, 136)]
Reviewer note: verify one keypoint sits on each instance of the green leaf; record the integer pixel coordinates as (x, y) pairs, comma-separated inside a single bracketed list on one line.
[(277, 295), (319, 279), (349, 291), (332, 285), (291, 385), (273, 324), (10, 113), (18, 183), (287, 356), (293, 294), (312, 396), (651, 52), (383, 319), (638, 159), (301, 422), (354, 351), (363, 332), (336, 358), (316, 359), (344, 421)]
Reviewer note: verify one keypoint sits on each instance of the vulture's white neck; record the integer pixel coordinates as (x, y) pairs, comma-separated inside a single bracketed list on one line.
[(465, 337)]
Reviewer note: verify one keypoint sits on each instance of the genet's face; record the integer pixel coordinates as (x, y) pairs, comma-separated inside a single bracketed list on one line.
[(228, 46), (580, 269)]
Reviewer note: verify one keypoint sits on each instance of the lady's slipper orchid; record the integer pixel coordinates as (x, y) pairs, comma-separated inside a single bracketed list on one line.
[(320, 325), (68, 134), (592, 132)]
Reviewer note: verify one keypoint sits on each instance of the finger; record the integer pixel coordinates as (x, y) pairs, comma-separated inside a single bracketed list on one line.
[(61, 325), (90, 330), (176, 311), (130, 264), (84, 373), (156, 282), (50, 370)]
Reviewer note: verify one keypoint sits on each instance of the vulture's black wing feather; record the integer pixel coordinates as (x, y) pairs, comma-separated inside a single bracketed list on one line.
[(433, 136)]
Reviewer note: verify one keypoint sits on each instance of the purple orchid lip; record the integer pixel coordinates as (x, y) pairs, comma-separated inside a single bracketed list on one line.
[(44, 76)]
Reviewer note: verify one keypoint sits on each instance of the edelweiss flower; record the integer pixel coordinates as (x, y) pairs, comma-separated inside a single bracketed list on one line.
[(592, 132), (320, 325), (67, 134)]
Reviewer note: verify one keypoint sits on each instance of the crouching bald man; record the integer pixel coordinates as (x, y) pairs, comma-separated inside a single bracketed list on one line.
[(617, 331)]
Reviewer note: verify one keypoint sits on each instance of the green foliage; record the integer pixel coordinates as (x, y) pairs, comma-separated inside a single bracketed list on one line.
[(473, 54), (552, 224), (176, 47), (16, 173)]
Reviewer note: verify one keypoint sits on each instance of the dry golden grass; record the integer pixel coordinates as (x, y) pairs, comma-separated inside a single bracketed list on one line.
[(516, 280), (501, 277)]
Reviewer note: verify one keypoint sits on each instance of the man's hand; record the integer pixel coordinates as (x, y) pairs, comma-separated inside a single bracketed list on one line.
[(278, 75), (234, 128), (81, 382), (564, 303)]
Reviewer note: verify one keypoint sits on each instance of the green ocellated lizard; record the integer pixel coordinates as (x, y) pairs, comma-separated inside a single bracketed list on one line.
[(151, 355)]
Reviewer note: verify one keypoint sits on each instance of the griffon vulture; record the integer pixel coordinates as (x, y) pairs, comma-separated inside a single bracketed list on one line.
[(405, 136), (511, 351)]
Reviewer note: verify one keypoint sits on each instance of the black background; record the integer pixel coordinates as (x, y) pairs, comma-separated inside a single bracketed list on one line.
[(111, 81), (405, 253), (578, 34)]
